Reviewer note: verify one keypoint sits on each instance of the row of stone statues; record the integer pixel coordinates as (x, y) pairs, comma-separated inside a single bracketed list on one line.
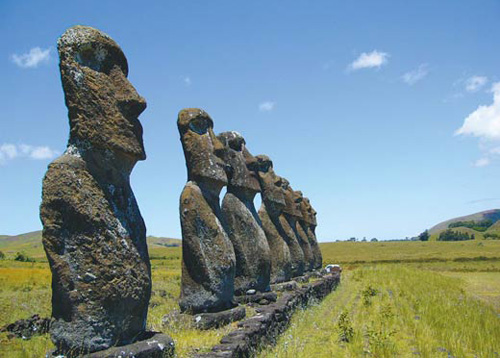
[(230, 249), (93, 232)]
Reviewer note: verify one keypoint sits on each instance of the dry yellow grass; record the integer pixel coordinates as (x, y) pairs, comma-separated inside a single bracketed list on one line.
[(25, 289)]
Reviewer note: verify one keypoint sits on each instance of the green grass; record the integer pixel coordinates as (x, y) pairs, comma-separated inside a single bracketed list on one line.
[(409, 251), (393, 311), (458, 280)]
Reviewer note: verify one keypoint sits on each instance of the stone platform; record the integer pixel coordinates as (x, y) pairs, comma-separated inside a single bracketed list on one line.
[(270, 321), (152, 345)]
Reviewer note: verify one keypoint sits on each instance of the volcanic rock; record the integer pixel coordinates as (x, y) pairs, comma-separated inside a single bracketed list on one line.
[(253, 262), (293, 215), (27, 328), (273, 202), (93, 232), (208, 260), (308, 224), (288, 232)]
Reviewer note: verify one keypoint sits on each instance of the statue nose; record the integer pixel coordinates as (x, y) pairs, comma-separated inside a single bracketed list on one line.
[(130, 102), (219, 148), (133, 106), (251, 163)]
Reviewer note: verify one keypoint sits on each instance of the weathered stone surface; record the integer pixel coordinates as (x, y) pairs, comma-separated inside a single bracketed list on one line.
[(288, 232), (93, 232), (293, 215), (154, 345), (208, 260), (257, 298), (27, 328), (285, 286), (273, 202), (308, 224), (253, 262), (218, 319), (270, 321)]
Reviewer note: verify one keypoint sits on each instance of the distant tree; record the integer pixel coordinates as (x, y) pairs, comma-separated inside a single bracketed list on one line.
[(491, 236), (450, 235), (364, 239), (482, 225), (374, 240), (21, 256), (2, 255), (424, 236), (353, 239)]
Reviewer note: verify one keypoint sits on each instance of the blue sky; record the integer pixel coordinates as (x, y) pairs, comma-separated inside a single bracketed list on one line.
[(362, 105)]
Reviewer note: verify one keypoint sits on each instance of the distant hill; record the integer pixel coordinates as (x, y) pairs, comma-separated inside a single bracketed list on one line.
[(31, 243), (493, 215)]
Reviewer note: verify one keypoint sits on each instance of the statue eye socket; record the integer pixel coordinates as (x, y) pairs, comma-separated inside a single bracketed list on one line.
[(199, 125), (100, 58), (87, 56), (236, 144), (264, 167)]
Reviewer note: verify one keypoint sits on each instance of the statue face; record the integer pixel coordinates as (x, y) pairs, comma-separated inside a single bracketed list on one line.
[(292, 208), (270, 183), (306, 210), (202, 149), (241, 162), (313, 217), (103, 105)]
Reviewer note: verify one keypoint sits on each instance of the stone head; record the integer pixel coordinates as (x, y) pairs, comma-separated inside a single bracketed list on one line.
[(270, 184), (306, 210), (202, 150), (313, 217), (291, 206), (103, 106), (242, 164)]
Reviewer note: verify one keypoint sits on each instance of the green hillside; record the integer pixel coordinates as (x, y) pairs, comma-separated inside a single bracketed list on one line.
[(460, 224), (31, 244)]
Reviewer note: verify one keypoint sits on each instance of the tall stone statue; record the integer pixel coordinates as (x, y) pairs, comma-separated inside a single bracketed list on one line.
[(208, 260), (273, 202), (309, 225), (292, 214), (93, 232), (295, 219), (253, 262), (288, 232)]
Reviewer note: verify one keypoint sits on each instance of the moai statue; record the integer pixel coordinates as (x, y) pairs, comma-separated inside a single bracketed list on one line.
[(273, 202), (292, 214), (93, 232), (308, 224), (288, 232), (208, 261), (301, 234), (253, 261)]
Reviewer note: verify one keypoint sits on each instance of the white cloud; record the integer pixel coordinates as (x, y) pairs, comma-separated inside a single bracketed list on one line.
[(31, 59), (11, 151), (43, 153), (416, 75), (266, 106), (369, 60), (484, 122), (475, 83), (7, 152), (187, 81), (482, 162)]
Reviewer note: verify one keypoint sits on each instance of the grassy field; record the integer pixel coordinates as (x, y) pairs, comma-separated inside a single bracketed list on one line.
[(430, 299)]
